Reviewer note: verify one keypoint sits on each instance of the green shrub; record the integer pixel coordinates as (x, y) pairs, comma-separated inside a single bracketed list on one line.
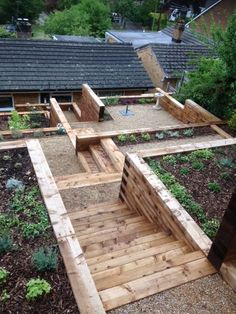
[(3, 275), (133, 138), (204, 154), (146, 137), (214, 187), (232, 120), (188, 132), (122, 138), (18, 122), (211, 227), (226, 162), (113, 101), (6, 243), (198, 165), (170, 159), (37, 288), (182, 158), (160, 136), (225, 176), (184, 171), (45, 259)]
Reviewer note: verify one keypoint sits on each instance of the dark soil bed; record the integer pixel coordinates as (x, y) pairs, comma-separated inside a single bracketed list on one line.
[(229, 130), (36, 121), (17, 262), (123, 140), (210, 182), (115, 101)]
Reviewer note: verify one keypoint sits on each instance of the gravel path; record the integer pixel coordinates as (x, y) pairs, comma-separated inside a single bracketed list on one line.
[(144, 117), (209, 295)]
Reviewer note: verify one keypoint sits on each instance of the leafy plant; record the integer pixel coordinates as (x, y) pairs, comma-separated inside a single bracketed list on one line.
[(184, 171), (6, 157), (226, 162), (198, 165), (133, 138), (18, 122), (160, 136), (232, 120), (204, 154), (146, 137), (182, 158), (4, 296), (173, 133), (214, 187), (170, 159), (211, 227), (36, 288), (113, 101), (6, 243), (7, 222), (18, 165), (225, 176), (188, 132), (14, 184), (122, 138), (3, 275), (45, 259)]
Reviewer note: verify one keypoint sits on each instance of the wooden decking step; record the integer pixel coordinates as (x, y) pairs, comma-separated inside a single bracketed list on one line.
[(87, 162), (114, 153), (102, 159)]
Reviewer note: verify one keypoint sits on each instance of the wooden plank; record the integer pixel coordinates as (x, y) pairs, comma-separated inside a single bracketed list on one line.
[(144, 267), (83, 286), (83, 162), (114, 153), (31, 131), (185, 148), (12, 145), (76, 110), (157, 282), (86, 179), (220, 131), (228, 272), (22, 113)]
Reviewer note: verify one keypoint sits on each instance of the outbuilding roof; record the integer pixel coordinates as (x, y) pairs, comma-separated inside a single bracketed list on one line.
[(35, 65), (174, 59)]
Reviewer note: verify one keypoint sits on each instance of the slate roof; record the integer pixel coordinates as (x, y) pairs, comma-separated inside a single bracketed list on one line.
[(174, 59), (80, 39), (52, 65)]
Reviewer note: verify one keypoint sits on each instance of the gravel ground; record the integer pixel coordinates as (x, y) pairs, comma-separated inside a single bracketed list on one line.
[(209, 295), (144, 117), (70, 116), (60, 155), (135, 148), (82, 197)]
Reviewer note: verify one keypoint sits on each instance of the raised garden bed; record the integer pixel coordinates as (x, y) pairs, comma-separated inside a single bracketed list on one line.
[(229, 130), (24, 228), (202, 181), (132, 139), (36, 120), (116, 101)]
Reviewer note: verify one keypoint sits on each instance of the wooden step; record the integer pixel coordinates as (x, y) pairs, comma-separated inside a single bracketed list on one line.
[(109, 248), (101, 159), (151, 284), (121, 241), (108, 224), (134, 256), (130, 249), (114, 153), (143, 267), (87, 162)]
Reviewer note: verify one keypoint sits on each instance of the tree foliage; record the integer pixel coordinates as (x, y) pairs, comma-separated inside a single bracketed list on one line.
[(20, 8), (89, 17), (66, 4), (5, 34), (213, 84)]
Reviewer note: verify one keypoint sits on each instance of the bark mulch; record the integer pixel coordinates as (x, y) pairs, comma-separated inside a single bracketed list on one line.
[(17, 164)]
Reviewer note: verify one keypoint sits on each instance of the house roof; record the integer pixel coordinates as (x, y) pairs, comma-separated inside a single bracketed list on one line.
[(79, 39), (52, 65), (164, 36), (174, 59)]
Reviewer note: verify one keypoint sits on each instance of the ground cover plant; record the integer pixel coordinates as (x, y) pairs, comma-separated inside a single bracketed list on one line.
[(202, 181), (129, 139), (32, 274)]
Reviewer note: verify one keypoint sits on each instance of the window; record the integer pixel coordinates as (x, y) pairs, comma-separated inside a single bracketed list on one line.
[(62, 97), (6, 103), (44, 98)]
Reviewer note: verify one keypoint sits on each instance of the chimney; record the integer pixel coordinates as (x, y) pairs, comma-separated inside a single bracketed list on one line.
[(178, 31)]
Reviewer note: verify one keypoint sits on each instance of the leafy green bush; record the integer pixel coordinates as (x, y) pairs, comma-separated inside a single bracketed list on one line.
[(146, 137), (173, 133), (226, 162), (198, 165), (122, 138), (184, 171), (188, 132), (5, 34), (170, 159), (3, 275), (18, 122), (45, 259), (133, 138), (204, 154), (6, 243), (232, 120), (225, 176), (214, 187), (182, 158), (36, 288), (211, 227)]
